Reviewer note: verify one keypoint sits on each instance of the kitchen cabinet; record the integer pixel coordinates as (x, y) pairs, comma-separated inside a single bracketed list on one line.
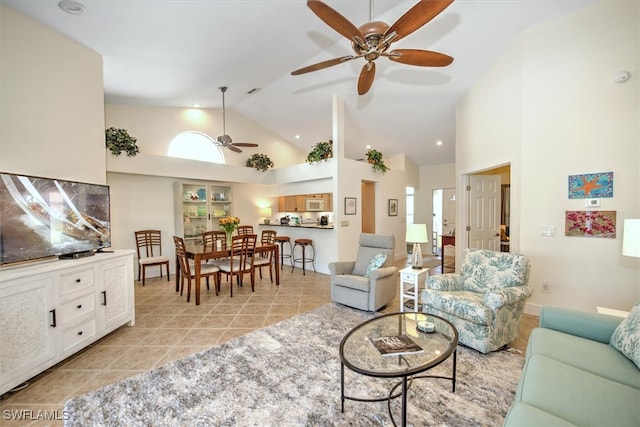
[(197, 208), (51, 310), (298, 203), (292, 203)]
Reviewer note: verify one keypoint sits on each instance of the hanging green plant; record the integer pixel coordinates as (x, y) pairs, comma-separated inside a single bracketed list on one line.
[(262, 162), (119, 140), (322, 150), (377, 163)]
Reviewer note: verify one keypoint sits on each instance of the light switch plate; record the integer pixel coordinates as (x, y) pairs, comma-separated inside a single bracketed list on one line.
[(344, 223), (592, 203), (548, 231)]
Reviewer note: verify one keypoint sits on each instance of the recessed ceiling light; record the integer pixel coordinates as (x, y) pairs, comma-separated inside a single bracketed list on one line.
[(368, 147), (196, 105), (72, 6), (439, 142), (297, 136)]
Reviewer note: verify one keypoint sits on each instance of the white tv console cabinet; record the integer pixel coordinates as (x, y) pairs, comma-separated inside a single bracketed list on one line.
[(51, 310)]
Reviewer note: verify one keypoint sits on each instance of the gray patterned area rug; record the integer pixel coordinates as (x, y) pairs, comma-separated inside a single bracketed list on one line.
[(288, 374)]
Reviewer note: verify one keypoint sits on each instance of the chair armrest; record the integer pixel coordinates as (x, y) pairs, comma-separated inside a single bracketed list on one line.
[(593, 326), (445, 282), (500, 297), (381, 273), (341, 267)]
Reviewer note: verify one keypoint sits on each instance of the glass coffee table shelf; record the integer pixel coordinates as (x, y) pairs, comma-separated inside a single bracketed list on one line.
[(360, 355)]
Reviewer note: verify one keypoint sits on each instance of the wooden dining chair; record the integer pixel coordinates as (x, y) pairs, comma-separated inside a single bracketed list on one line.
[(149, 249), (239, 262), (268, 237), (245, 229), (214, 240), (264, 256), (187, 271)]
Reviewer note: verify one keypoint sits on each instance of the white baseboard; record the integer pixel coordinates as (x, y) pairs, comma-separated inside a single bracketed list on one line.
[(533, 309)]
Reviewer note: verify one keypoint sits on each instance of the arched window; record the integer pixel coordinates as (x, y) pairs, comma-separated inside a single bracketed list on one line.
[(195, 146)]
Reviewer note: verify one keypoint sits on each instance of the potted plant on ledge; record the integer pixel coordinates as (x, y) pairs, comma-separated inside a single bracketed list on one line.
[(377, 163), (262, 162), (322, 150), (119, 140)]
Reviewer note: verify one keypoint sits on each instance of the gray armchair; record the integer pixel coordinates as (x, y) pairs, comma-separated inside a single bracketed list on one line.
[(354, 286)]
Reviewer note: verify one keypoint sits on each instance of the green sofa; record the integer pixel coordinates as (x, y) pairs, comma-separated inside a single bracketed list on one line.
[(573, 376)]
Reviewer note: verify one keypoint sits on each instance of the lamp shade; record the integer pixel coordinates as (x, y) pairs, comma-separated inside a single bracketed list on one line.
[(266, 212), (631, 238), (416, 233)]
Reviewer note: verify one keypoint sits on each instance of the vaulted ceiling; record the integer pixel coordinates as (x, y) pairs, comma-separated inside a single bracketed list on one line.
[(179, 52)]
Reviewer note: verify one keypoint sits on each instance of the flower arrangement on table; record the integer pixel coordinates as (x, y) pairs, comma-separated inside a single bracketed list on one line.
[(229, 224)]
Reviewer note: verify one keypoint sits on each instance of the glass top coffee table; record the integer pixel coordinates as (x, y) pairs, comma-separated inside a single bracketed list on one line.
[(380, 348)]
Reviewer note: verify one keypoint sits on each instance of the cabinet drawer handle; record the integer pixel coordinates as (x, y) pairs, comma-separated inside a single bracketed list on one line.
[(80, 333), (79, 305), (53, 317), (78, 280), (104, 297)]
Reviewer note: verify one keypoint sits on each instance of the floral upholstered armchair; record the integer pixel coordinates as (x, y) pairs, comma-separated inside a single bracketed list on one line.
[(485, 301)]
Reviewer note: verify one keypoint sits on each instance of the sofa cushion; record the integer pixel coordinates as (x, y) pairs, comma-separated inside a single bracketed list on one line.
[(375, 263), (591, 356), (524, 415), (464, 304), (484, 270), (626, 337), (575, 395)]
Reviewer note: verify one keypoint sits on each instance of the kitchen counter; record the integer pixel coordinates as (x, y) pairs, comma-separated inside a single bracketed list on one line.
[(307, 225)]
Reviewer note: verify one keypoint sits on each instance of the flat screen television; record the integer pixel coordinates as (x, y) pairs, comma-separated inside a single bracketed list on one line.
[(44, 217)]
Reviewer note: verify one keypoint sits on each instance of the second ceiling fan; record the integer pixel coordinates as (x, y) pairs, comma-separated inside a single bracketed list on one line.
[(225, 140), (373, 39)]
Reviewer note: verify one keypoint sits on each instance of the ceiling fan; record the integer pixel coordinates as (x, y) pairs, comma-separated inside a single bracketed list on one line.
[(373, 39), (225, 140)]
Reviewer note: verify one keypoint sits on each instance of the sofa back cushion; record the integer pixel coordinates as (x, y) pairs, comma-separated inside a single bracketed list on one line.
[(483, 270), (370, 246), (626, 337)]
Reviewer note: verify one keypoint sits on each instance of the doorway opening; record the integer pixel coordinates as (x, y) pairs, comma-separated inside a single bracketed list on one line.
[(368, 195), (488, 210), (444, 225)]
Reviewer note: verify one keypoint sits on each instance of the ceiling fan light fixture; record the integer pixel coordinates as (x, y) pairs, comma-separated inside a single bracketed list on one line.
[(72, 7)]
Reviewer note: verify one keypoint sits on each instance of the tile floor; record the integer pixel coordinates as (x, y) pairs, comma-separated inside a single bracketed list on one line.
[(168, 328)]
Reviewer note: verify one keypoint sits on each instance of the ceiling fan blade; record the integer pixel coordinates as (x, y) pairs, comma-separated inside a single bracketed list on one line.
[(234, 148), (322, 65), (421, 13), (244, 144), (366, 77), (421, 58), (336, 21)]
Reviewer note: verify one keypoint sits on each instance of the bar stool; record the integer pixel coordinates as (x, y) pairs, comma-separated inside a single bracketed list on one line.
[(281, 240), (303, 243)]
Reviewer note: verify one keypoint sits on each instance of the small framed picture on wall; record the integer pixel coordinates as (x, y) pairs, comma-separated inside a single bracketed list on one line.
[(393, 207), (349, 205)]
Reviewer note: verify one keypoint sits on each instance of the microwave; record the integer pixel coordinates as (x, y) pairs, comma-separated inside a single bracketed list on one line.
[(315, 205)]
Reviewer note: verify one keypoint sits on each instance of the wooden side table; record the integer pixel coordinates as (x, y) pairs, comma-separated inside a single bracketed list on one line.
[(446, 240), (410, 281)]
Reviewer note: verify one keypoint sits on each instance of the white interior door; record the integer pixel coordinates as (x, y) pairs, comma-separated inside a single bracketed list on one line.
[(484, 212)]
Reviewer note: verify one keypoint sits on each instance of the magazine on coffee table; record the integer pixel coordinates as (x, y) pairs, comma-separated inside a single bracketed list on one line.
[(395, 345)]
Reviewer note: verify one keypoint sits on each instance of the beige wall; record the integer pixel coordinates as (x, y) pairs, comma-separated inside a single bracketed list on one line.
[(155, 128), (52, 103), (549, 107)]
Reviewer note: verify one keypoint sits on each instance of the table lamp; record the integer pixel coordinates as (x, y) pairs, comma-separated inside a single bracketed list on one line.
[(631, 238), (416, 234), (266, 213)]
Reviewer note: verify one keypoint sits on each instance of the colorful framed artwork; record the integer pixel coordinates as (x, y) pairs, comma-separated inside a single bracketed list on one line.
[(590, 224), (349, 205), (393, 207), (591, 185)]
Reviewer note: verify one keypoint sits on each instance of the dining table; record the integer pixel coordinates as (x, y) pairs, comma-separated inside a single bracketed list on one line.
[(200, 254)]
